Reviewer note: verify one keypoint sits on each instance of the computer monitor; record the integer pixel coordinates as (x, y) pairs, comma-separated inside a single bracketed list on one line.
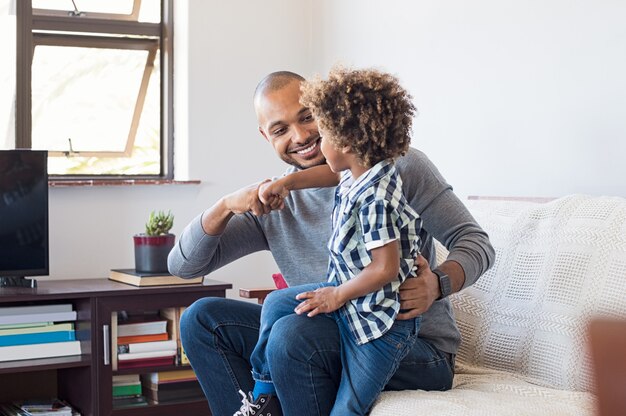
[(23, 216)]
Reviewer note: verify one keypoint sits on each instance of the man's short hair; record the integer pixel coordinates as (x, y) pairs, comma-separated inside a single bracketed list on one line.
[(275, 81)]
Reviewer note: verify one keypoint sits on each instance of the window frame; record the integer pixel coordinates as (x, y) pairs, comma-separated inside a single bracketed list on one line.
[(110, 33)]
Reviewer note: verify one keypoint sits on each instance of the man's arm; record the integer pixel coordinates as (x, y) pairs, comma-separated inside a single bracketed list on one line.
[(446, 219), (383, 269), (223, 233)]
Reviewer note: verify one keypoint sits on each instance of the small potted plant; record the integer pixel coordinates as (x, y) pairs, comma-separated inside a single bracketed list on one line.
[(153, 246)]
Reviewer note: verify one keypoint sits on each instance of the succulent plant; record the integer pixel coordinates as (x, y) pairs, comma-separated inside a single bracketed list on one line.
[(159, 223)]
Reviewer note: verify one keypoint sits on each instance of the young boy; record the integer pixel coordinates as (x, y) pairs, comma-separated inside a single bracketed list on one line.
[(365, 119)]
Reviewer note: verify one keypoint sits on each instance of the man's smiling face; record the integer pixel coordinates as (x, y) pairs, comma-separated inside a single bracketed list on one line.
[(289, 127)]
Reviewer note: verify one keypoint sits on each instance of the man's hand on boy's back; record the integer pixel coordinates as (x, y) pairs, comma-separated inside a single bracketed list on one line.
[(417, 294)]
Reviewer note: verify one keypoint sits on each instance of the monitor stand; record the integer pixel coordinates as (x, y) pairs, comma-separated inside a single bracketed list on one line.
[(17, 281)]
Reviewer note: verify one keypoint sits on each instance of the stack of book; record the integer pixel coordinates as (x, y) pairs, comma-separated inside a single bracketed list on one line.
[(49, 407), (173, 327), (143, 341), (171, 386), (127, 391), (37, 331)]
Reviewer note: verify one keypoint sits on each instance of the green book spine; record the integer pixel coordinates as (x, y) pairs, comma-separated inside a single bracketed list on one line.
[(127, 390)]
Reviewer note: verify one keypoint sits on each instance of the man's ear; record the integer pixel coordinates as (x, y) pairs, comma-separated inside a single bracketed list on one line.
[(263, 134)]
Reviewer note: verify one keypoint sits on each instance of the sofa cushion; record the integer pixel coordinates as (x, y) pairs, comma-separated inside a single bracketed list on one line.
[(480, 392), (558, 264)]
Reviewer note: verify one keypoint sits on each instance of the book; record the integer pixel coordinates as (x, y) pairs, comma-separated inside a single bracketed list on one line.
[(37, 338), (173, 321), (32, 329), (184, 360), (130, 339), (38, 317), (126, 379), (169, 376), (4, 327), (171, 386), (135, 278), (51, 407), (127, 390), (163, 396), (34, 309), (31, 351), (129, 402), (146, 362), (10, 409), (147, 354), (146, 346), (141, 326)]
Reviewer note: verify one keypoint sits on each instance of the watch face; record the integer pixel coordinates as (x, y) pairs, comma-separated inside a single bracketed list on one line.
[(445, 287)]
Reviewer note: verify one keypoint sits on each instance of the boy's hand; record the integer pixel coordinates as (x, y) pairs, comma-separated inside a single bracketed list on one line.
[(246, 200), (322, 300), (273, 194)]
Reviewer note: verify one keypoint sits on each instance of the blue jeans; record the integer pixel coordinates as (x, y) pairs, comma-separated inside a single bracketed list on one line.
[(366, 368), (220, 334)]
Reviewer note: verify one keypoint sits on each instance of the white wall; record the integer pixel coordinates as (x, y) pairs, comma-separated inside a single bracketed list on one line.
[(515, 97), (230, 46)]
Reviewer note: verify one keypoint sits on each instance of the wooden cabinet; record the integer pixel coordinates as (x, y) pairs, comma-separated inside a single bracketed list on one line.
[(85, 380)]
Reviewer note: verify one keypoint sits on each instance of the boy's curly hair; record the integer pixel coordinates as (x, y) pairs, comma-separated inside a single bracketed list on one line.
[(364, 109)]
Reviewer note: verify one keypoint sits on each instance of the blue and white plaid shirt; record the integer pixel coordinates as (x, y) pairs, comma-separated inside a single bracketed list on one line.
[(370, 212)]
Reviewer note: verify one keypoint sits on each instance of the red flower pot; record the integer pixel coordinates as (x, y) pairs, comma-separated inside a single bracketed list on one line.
[(151, 252)]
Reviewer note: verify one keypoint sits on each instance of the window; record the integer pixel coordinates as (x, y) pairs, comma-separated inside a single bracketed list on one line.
[(94, 86)]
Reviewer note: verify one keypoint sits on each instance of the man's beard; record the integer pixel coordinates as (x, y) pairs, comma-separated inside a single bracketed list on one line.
[(290, 161)]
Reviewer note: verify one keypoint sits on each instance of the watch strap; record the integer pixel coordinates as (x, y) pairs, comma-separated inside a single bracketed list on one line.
[(445, 287)]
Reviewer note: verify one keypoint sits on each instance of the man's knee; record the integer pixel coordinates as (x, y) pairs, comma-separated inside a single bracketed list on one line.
[(287, 339), (199, 314), (299, 337)]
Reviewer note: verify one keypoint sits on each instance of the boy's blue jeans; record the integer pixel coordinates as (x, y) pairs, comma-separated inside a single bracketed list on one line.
[(366, 368), (304, 356)]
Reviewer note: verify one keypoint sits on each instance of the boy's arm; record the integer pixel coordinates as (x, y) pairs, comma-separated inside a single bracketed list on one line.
[(314, 177), (383, 269)]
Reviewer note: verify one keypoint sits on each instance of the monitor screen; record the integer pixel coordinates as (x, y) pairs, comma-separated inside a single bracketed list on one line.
[(23, 213)]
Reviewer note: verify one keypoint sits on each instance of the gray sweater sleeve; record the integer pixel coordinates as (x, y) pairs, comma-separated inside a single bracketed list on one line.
[(444, 216), (198, 254)]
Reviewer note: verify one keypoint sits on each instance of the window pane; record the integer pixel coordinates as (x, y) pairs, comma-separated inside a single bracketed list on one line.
[(94, 6), (7, 74), (89, 95), (149, 11)]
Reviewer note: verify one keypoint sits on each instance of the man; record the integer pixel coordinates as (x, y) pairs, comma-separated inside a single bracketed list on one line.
[(303, 353)]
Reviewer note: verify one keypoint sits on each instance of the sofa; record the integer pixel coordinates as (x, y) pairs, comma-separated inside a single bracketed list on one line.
[(525, 351)]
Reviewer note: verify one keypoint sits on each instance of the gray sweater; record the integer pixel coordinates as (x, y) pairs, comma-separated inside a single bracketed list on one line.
[(297, 237)]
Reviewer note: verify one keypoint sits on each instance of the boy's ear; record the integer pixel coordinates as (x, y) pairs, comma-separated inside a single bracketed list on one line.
[(346, 149)]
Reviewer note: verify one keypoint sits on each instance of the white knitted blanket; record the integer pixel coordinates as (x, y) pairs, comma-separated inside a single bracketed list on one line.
[(523, 323)]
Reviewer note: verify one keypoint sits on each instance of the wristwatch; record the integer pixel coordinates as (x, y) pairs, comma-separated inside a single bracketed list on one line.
[(445, 287)]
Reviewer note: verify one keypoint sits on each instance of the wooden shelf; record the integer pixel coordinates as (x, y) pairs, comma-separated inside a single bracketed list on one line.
[(85, 381), (41, 364), (145, 370), (199, 407)]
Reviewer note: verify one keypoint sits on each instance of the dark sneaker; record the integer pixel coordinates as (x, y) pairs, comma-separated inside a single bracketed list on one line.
[(264, 405)]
